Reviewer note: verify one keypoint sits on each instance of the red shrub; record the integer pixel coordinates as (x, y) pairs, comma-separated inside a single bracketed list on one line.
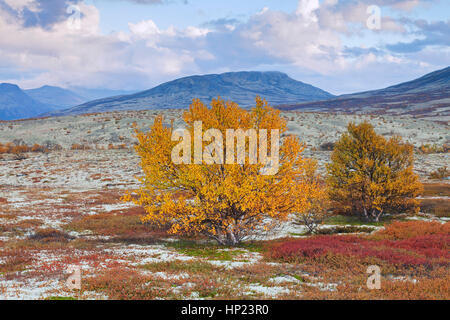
[(425, 250), (410, 229)]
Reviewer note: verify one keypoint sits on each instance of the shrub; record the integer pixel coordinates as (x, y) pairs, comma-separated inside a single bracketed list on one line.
[(345, 229), (436, 207), (124, 284), (327, 146), (117, 147), (420, 251), (50, 235), (436, 190), (14, 260), (226, 202), (19, 150), (126, 227), (39, 148), (318, 210), (430, 149), (409, 229), (370, 175), (440, 174), (77, 146)]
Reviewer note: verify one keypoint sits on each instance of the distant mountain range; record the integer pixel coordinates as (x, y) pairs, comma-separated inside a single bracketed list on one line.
[(55, 97), (16, 103), (240, 87), (426, 96)]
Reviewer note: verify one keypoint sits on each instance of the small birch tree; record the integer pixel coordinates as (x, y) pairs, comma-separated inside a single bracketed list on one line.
[(226, 202), (370, 175)]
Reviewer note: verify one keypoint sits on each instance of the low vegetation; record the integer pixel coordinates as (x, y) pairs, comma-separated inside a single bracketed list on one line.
[(440, 174), (412, 256), (434, 148), (163, 246), (19, 150), (369, 175), (225, 202)]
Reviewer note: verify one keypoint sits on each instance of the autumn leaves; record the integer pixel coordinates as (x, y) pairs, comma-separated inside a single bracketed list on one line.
[(208, 193)]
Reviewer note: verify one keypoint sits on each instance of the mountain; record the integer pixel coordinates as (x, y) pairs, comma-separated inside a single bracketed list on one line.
[(240, 87), (94, 94), (56, 97), (426, 96), (16, 104)]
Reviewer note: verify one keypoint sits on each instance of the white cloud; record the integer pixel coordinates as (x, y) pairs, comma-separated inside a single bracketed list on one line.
[(306, 9), (310, 41), (20, 4)]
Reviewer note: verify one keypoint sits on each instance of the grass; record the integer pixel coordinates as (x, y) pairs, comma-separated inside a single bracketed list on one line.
[(437, 207), (340, 229), (346, 229), (299, 278), (50, 235), (207, 251), (436, 190), (357, 221), (126, 284), (108, 224), (60, 298), (14, 260), (181, 266), (21, 227)]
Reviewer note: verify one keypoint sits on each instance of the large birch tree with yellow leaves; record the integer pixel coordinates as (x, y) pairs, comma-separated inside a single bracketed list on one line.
[(226, 202), (370, 175)]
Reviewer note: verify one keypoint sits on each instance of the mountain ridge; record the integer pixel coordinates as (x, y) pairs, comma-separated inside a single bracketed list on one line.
[(16, 104), (241, 87), (55, 96), (428, 95)]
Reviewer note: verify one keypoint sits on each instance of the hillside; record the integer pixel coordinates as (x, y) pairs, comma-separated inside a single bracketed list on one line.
[(16, 104), (241, 87), (55, 96), (426, 96)]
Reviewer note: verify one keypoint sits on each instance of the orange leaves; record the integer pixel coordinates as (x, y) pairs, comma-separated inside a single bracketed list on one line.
[(226, 202), (15, 149), (371, 175)]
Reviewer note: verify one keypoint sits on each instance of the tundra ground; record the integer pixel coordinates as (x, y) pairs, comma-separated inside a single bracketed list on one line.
[(63, 208)]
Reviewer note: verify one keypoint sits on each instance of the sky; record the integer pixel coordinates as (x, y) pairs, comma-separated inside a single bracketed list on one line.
[(341, 46)]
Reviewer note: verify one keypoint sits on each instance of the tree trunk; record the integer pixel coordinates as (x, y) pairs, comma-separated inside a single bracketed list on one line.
[(377, 218), (231, 239), (366, 216)]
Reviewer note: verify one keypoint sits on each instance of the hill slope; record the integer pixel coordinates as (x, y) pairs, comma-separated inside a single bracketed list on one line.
[(55, 96), (241, 87), (426, 96), (16, 104)]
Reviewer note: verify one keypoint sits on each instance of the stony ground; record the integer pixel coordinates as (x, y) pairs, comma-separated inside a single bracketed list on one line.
[(63, 208), (315, 129)]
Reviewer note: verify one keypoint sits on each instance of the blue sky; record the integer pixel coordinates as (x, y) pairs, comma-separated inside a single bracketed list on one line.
[(136, 44), (117, 14)]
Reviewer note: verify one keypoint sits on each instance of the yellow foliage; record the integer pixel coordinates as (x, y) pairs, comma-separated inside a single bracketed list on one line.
[(226, 202), (371, 175)]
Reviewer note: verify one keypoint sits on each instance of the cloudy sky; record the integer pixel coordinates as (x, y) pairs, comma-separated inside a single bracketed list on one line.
[(337, 45)]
